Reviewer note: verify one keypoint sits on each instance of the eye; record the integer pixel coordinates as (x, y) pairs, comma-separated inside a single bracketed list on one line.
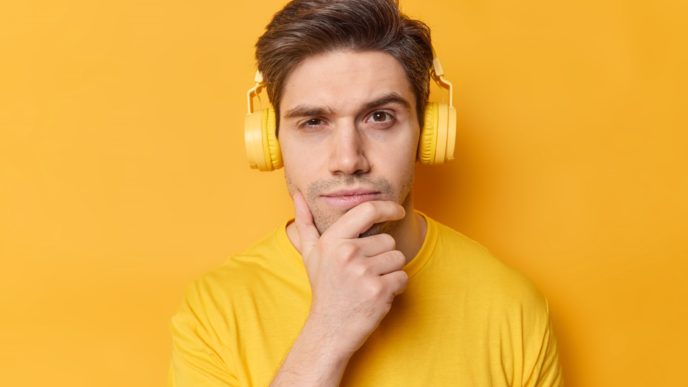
[(380, 116), (312, 123), (381, 119)]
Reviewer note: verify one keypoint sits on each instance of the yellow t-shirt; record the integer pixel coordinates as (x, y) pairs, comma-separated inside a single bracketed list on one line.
[(465, 319)]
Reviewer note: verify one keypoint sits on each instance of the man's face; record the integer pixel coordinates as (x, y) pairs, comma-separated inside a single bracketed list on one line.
[(348, 133)]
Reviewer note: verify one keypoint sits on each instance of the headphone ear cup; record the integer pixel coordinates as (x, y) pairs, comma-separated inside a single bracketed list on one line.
[(439, 134), (271, 146), (260, 140), (451, 133), (428, 137)]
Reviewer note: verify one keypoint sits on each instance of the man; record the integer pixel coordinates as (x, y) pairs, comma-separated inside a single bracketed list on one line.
[(359, 289)]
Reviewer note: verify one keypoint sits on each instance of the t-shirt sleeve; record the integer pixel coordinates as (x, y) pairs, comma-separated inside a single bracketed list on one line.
[(545, 370), (197, 358)]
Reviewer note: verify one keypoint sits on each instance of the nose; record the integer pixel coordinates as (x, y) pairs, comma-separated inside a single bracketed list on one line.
[(348, 154)]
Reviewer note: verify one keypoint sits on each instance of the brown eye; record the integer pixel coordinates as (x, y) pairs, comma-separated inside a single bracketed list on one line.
[(381, 119), (312, 123), (380, 116)]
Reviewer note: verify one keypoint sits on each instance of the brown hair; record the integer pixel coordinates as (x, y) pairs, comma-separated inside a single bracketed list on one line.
[(308, 27)]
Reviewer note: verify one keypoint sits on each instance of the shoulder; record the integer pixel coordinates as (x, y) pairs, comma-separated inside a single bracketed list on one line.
[(257, 273), (488, 279), (504, 304), (204, 325), (267, 261)]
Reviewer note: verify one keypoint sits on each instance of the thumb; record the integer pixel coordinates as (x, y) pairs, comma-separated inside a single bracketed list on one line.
[(303, 220)]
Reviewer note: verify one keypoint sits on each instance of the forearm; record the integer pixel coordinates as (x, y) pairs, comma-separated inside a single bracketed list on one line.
[(314, 360), (353, 282)]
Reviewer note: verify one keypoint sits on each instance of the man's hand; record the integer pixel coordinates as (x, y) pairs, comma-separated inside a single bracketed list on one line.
[(353, 280)]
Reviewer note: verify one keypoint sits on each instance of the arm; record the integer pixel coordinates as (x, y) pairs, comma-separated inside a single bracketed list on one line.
[(196, 360), (353, 281), (546, 371), (312, 360)]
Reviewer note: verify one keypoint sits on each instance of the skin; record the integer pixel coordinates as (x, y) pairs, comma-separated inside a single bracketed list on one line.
[(348, 134)]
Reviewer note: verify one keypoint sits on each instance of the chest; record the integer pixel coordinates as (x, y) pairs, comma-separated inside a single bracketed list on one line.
[(426, 339)]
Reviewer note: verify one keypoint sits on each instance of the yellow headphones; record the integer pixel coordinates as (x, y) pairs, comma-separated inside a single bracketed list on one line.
[(436, 145)]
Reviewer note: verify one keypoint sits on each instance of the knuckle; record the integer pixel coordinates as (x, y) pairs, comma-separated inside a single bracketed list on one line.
[(403, 278), (359, 269), (376, 289), (397, 257), (347, 251), (402, 257), (388, 241), (400, 282)]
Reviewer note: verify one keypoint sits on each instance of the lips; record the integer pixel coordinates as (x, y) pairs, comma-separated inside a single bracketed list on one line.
[(346, 199)]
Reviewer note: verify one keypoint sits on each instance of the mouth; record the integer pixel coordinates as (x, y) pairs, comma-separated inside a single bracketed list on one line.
[(346, 199)]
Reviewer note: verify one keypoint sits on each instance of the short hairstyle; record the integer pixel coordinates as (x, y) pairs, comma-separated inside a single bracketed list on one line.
[(304, 28)]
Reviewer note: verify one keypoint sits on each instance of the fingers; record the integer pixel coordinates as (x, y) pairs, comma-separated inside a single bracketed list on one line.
[(387, 262), (303, 220), (362, 217), (376, 244), (396, 281)]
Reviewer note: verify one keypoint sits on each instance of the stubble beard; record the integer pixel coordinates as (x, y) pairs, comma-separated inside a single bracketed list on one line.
[(323, 218)]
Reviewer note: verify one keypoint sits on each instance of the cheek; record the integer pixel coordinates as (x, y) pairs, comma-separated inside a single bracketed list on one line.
[(297, 170), (294, 180), (398, 169), (399, 157), (291, 187)]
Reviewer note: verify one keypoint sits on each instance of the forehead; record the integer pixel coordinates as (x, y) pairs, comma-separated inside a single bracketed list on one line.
[(344, 80)]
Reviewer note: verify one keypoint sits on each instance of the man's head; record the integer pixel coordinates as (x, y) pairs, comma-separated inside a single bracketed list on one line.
[(349, 81), (304, 28)]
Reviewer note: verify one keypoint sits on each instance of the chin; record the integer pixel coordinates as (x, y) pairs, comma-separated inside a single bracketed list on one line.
[(324, 217)]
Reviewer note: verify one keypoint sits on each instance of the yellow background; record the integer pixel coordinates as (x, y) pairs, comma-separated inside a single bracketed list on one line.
[(123, 175)]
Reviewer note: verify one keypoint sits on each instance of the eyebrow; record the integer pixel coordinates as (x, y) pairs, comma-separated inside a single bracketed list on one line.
[(392, 97), (309, 111)]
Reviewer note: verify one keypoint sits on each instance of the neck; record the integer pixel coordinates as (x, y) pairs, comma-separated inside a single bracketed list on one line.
[(410, 233)]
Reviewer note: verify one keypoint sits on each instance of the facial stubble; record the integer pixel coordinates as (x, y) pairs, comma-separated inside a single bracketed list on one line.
[(323, 219)]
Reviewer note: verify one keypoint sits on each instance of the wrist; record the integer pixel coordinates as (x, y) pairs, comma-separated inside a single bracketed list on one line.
[(313, 360), (333, 348)]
